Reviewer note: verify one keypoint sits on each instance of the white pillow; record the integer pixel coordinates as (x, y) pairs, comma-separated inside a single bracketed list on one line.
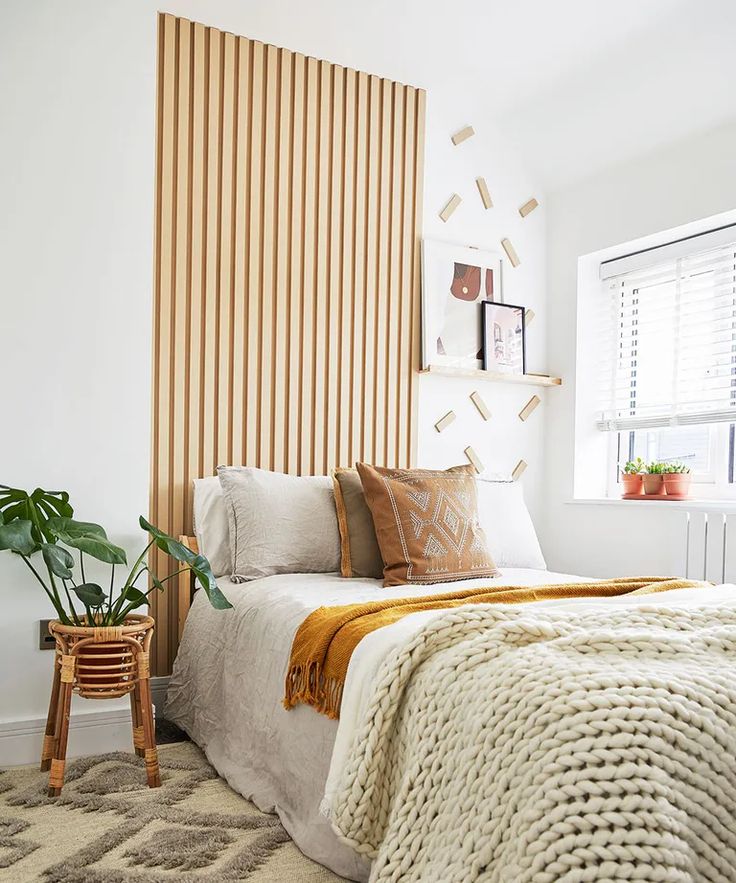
[(209, 514), (507, 524), (279, 523)]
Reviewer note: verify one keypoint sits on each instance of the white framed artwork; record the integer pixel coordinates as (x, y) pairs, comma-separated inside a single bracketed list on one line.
[(456, 279)]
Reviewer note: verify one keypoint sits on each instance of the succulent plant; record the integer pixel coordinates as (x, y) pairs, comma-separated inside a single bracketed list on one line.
[(675, 469), (657, 467), (634, 467)]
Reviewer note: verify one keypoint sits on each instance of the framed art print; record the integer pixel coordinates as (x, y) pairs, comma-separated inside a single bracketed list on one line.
[(456, 279), (504, 338)]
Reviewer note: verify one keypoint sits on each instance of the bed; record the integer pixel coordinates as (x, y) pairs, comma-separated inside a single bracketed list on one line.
[(558, 736), (227, 687)]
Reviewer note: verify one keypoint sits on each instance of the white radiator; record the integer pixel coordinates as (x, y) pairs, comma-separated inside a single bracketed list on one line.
[(710, 545)]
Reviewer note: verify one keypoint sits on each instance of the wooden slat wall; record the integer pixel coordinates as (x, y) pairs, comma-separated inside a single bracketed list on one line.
[(288, 211)]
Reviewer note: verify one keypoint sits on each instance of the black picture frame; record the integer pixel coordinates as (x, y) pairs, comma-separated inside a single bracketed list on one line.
[(488, 309)]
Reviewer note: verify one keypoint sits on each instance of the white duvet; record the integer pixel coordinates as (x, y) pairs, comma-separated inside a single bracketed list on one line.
[(228, 683)]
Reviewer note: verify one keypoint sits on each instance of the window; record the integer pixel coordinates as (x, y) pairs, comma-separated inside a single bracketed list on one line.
[(667, 361)]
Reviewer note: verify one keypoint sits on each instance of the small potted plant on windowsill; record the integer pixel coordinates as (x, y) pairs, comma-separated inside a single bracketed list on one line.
[(631, 478), (654, 479), (677, 478)]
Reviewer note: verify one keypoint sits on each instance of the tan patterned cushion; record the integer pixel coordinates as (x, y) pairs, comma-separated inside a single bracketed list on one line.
[(426, 524)]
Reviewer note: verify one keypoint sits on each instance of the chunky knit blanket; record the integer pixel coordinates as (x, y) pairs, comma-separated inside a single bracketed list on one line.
[(516, 745)]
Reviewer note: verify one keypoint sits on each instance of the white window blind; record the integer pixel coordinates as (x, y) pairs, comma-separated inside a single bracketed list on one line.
[(667, 326)]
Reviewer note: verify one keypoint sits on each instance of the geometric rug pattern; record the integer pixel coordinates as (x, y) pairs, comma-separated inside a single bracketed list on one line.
[(107, 826)]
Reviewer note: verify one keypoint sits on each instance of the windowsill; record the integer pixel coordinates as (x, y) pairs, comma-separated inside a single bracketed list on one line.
[(697, 504)]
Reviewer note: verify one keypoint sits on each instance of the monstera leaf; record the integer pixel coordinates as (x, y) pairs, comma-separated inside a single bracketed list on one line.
[(58, 560), (37, 507), (90, 594), (198, 564), (18, 537), (87, 537)]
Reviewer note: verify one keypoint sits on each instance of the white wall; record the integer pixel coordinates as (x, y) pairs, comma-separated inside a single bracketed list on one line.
[(504, 439), (685, 182), (76, 154)]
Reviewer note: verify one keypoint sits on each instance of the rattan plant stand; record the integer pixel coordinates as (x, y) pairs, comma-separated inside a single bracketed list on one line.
[(100, 662)]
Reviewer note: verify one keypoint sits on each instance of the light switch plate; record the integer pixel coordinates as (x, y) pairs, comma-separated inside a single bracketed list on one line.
[(46, 641)]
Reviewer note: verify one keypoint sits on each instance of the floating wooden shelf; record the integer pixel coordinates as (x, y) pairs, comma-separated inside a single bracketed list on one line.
[(528, 379)]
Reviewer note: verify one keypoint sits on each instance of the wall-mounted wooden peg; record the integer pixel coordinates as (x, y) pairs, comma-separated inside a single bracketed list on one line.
[(445, 421), (484, 193), (463, 135), (529, 408), (528, 207), (450, 207), (529, 315), (474, 459), (518, 470), (510, 252), (477, 400)]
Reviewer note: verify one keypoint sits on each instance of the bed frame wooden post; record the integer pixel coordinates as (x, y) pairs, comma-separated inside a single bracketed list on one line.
[(186, 586)]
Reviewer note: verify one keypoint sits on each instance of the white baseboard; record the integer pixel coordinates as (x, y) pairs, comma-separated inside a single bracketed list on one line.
[(90, 732), (93, 732)]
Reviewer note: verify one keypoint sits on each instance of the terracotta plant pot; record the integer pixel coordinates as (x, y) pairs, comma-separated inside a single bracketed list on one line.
[(653, 485), (632, 485), (677, 484)]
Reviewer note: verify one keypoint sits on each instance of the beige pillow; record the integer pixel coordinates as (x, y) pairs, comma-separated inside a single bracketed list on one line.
[(359, 552), (426, 524), (279, 523)]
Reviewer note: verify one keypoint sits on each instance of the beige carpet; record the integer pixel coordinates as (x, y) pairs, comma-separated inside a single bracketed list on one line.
[(107, 826)]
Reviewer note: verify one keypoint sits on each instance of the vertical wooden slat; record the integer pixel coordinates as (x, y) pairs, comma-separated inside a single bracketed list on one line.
[(199, 251), (334, 272), (307, 414), (211, 221), (358, 404), (413, 235), (405, 364), (268, 248), (223, 417), (163, 306), (178, 318), (241, 183), (393, 306), (287, 218), (372, 209), (296, 257), (322, 256), (381, 293), (346, 364), (252, 399), (282, 265)]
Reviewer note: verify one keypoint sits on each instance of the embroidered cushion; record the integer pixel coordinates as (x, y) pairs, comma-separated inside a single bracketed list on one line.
[(426, 524)]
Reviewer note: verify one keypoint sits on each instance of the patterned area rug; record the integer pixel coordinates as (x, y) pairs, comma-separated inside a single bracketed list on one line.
[(108, 827)]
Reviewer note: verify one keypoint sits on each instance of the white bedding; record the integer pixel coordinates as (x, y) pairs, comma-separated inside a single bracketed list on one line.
[(228, 683)]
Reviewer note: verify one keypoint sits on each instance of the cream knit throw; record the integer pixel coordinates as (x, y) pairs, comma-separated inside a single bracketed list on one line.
[(525, 746)]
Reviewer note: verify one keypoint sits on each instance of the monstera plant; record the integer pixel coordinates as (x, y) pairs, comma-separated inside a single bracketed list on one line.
[(39, 527)]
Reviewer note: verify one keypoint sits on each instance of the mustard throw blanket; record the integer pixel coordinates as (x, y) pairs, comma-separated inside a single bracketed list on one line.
[(326, 639)]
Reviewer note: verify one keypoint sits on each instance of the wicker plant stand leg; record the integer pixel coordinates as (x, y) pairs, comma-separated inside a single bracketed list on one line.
[(150, 755), (61, 736), (100, 663), (49, 739), (136, 714)]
